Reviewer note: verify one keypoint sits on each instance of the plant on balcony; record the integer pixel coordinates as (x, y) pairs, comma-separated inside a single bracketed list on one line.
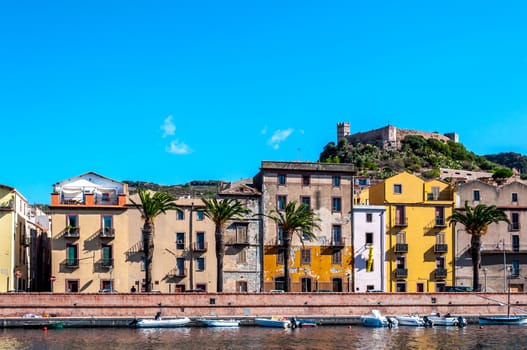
[(299, 220), (476, 222), (220, 212), (150, 207)]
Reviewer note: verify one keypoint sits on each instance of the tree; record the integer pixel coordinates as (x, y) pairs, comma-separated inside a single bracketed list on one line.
[(299, 220), (476, 221), (220, 212), (150, 207)]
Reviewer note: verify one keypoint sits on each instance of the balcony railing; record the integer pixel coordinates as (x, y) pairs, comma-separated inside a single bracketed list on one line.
[(514, 226), (401, 273), (240, 240), (441, 272), (401, 222), (200, 246), (107, 262), (72, 232), (72, 263), (338, 243), (493, 248), (440, 222), (107, 232), (401, 247), (178, 272), (441, 248)]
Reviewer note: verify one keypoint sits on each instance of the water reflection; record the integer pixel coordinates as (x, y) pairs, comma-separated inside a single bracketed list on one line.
[(249, 338)]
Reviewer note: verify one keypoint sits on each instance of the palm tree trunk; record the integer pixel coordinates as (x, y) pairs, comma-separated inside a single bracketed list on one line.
[(475, 250), (148, 246), (287, 253), (220, 253)]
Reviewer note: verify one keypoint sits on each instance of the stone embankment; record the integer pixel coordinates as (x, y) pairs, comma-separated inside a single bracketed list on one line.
[(90, 310)]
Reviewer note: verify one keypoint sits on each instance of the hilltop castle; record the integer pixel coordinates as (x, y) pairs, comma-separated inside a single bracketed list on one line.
[(388, 137)]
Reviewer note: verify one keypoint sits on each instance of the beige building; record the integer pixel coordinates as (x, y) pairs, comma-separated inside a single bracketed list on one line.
[(325, 263), (504, 247)]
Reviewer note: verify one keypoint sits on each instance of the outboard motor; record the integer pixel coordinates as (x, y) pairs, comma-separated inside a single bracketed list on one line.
[(294, 324), (158, 315), (461, 322), (428, 322)]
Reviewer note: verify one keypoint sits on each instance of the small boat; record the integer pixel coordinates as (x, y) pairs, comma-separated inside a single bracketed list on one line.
[(378, 320), (414, 320), (275, 322), (219, 323), (44, 325), (502, 320), (447, 320), (159, 322), (302, 323)]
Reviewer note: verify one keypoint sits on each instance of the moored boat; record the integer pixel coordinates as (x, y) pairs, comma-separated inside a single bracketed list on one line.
[(302, 323), (159, 322), (502, 320), (378, 320), (447, 320), (275, 322), (414, 321), (218, 323)]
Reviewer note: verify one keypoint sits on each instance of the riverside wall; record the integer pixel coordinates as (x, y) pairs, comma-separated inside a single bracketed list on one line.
[(194, 305)]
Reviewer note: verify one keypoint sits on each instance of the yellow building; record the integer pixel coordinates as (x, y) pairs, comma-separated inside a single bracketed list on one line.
[(419, 241), (327, 262)]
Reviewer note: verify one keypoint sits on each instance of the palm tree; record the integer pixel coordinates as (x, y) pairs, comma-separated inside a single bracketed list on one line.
[(299, 220), (476, 221), (220, 212), (150, 207)]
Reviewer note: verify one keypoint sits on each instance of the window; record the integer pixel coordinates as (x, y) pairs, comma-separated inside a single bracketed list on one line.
[(72, 257), (200, 264), (281, 202), (434, 195), (397, 189), (72, 225), (306, 200), (305, 256), (337, 284), (420, 287), (515, 197), (281, 179), (306, 180), (515, 268), (106, 255), (369, 237), (180, 215), (400, 215), (400, 261), (515, 221), (369, 217), (336, 234), (200, 241), (180, 240), (180, 267), (336, 181), (200, 215), (440, 287), (201, 286), (306, 284), (400, 287), (400, 237), (242, 256), (336, 204), (107, 225), (336, 258), (440, 262), (241, 286), (476, 195), (72, 286), (241, 232), (440, 216), (280, 235), (279, 283), (440, 238), (516, 243)]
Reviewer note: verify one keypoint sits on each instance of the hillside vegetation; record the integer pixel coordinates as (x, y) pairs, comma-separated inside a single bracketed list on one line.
[(418, 155)]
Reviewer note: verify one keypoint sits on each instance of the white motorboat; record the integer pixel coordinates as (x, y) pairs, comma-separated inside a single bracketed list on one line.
[(378, 320), (414, 320), (219, 323), (275, 322), (159, 322), (447, 320)]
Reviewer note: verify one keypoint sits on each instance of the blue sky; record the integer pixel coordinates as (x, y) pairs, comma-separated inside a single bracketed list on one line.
[(174, 91)]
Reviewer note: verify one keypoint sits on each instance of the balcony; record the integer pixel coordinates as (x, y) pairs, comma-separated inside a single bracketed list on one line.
[(72, 232), (337, 243), (493, 248), (441, 248), (401, 222), (401, 247), (514, 226), (107, 232), (178, 272), (401, 273), (72, 263), (26, 240), (440, 222), (237, 240), (441, 273), (199, 246), (107, 262)]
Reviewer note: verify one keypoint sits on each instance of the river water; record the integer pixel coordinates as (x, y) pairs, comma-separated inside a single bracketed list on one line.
[(247, 338)]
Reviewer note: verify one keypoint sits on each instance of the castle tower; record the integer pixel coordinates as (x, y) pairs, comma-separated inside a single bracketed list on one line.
[(343, 130)]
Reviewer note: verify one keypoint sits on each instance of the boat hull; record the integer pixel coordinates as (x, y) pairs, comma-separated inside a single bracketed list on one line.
[(168, 323), (219, 323), (448, 321), (502, 320), (273, 323), (413, 321)]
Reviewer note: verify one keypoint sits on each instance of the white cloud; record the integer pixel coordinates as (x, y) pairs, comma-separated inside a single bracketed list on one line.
[(264, 130), (168, 127), (177, 147), (278, 137)]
